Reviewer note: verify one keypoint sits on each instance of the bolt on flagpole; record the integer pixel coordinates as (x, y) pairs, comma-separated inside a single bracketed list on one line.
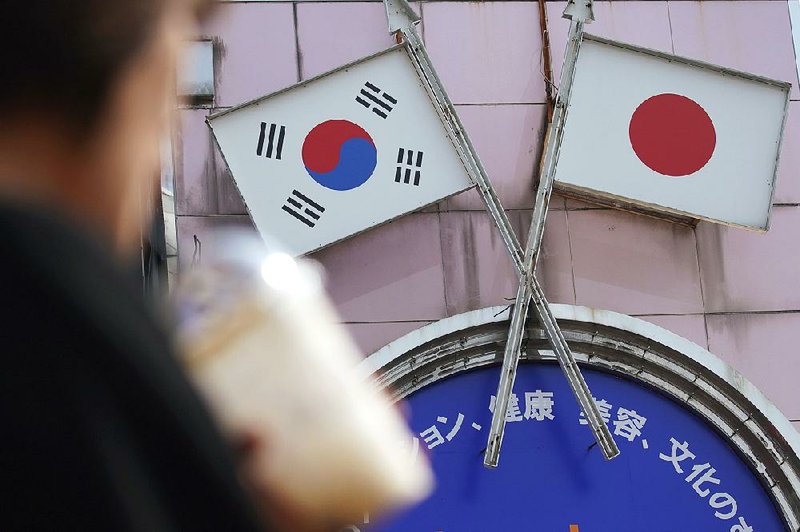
[(402, 21), (579, 12)]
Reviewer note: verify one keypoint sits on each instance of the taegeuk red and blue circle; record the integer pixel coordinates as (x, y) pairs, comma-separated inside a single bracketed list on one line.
[(339, 154)]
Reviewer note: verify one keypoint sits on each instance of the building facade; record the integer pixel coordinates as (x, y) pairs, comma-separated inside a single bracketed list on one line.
[(733, 292)]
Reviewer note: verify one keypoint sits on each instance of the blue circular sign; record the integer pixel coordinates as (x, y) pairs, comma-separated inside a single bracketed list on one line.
[(675, 473)]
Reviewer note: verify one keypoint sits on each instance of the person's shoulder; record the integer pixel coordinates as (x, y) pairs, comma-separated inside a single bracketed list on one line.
[(60, 284)]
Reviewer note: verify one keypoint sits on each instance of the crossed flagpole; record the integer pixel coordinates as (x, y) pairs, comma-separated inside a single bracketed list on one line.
[(402, 21)]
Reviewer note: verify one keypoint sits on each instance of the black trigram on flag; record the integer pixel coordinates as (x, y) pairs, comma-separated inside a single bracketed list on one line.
[(409, 162), (274, 142), (373, 98), (303, 208)]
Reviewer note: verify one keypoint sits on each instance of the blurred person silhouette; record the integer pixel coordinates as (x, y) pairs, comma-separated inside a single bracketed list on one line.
[(100, 428)]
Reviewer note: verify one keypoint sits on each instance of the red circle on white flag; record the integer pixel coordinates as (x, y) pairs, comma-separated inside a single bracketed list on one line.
[(672, 134)]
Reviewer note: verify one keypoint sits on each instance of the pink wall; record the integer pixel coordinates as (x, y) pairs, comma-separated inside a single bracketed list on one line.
[(735, 292)]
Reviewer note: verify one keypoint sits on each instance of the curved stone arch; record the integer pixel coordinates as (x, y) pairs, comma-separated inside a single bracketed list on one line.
[(618, 344)]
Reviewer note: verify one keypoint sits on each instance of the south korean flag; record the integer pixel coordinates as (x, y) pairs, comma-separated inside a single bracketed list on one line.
[(340, 153)]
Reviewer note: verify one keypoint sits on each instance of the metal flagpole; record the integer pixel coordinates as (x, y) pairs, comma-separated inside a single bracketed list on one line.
[(580, 13), (402, 21)]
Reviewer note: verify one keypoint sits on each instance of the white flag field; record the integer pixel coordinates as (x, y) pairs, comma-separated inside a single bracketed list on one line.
[(672, 135), (340, 153)]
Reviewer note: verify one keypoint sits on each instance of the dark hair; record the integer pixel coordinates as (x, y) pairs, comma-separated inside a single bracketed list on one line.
[(63, 56)]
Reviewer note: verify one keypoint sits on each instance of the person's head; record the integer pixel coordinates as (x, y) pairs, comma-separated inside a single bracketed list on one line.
[(88, 86)]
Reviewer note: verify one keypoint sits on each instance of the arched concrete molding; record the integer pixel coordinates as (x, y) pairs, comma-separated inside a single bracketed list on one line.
[(618, 344)]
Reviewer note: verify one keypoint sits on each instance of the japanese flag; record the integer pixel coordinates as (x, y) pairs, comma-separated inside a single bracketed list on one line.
[(670, 135), (340, 153)]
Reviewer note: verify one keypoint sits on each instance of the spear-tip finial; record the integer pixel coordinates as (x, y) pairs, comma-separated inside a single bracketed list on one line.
[(400, 16), (579, 11)]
